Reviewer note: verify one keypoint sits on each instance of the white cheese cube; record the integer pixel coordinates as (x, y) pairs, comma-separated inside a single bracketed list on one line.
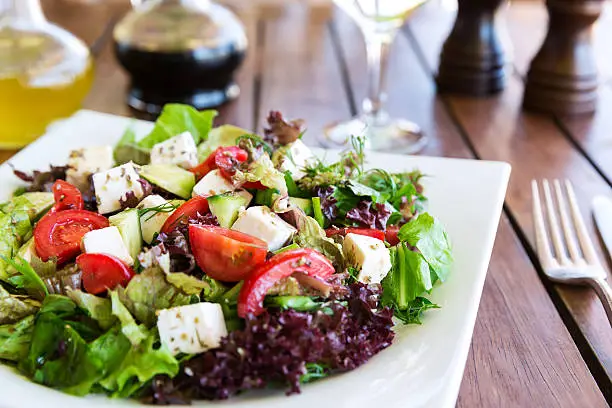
[(298, 156), (152, 221), (266, 225), (116, 184), (368, 254), (107, 241), (180, 150), (213, 183), (84, 162), (191, 329)]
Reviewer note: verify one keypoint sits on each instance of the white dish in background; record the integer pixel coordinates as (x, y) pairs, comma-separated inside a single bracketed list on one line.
[(423, 367)]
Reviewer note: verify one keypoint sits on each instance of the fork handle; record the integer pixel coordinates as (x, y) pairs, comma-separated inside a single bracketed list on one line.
[(604, 291)]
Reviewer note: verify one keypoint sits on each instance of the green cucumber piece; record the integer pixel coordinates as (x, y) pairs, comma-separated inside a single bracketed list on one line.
[(226, 206), (304, 203), (128, 223)]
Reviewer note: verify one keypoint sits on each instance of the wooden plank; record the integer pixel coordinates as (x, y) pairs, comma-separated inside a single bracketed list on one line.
[(300, 73), (499, 130), (511, 362)]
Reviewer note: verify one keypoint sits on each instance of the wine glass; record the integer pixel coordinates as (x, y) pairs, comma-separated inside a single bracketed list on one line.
[(379, 21)]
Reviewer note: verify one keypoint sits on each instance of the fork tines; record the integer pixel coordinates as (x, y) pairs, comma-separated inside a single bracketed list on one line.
[(574, 247)]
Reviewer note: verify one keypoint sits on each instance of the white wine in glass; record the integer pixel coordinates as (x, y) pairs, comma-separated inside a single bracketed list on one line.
[(379, 21)]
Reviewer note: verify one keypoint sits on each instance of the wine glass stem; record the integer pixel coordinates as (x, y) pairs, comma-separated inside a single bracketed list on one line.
[(377, 50)]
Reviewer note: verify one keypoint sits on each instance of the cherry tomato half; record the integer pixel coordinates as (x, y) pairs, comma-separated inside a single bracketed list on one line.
[(224, 158), (369, 232), (66, 196), (304, 260), (391, 235), (102, 272), (58, 235), (228, 158), (187, 210), (224, 254)]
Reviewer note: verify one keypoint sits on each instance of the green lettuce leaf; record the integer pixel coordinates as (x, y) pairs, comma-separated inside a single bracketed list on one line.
[(221, 136), (28, 278), (14, 308), (414, 312), (428, 235), (15, 339), (150, 291), (409, 277), (127, 149), (311, 235), (263, 170), (135, 333), (176, 119), (188, 284), (99, 309), (139, 366), (15, 229)]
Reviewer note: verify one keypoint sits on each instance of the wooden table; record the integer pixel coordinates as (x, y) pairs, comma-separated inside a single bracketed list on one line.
[(535, 344)]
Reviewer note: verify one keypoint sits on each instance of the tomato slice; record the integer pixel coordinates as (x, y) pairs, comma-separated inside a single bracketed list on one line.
[(374, 233), (303, 260), (391, 235), (225, 158), (189, 209), (102, 272), (58, 235), (66, 196), (225, 254), (228, 158)]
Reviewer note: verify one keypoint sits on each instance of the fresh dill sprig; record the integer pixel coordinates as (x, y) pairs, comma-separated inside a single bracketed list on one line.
[(162, 208)]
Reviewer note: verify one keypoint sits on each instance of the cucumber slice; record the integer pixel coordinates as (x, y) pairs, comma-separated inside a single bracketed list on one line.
[(304, 203), (227, 206), (169, 177), (128, 223)]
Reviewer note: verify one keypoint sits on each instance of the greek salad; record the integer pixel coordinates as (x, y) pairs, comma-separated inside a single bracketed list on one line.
[(199, 262)]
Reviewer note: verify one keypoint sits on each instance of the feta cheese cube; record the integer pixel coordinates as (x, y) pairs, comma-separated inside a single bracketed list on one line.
[(116, 184), (107, 241), (151, 222), (266, 225), (180, 150), (191, 329), (368, 254), (213, 183), (298, 156), (84, 162)]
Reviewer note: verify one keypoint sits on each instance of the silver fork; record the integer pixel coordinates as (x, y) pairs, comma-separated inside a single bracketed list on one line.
[(574, 260)]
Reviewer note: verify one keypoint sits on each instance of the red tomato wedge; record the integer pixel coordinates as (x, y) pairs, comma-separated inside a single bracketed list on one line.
[(304, 260), (102, 272), (391, 235), (58, 235), (66, 196), (374, 233), (224, 254), (187, 210), (224, 158), (256, 185)]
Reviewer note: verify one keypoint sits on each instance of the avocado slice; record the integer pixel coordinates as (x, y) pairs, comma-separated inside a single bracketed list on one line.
[(169, 177), (304, 203), (226, 206), (128, 223), (35, 204)]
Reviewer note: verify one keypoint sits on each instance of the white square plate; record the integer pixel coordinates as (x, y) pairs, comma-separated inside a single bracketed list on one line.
[(423, 367)]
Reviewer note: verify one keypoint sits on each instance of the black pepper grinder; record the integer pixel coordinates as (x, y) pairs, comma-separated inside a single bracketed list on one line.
[(562, 78), (473, 60), (183, 51)]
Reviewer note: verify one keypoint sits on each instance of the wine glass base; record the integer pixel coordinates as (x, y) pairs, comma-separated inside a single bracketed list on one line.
[(392, 135)]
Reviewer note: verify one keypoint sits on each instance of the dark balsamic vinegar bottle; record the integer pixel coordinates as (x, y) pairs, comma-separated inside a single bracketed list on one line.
[(180, 51)]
